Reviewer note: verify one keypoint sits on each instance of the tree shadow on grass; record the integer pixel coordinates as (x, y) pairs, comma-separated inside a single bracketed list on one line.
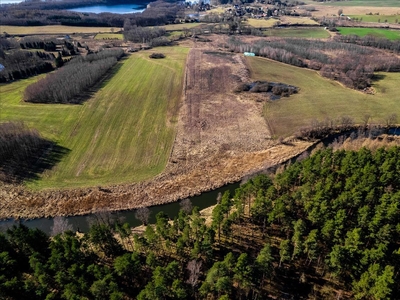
[(41, 158), (378, 77)]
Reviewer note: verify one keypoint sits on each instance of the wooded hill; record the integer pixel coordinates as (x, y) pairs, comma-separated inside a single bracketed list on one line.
[(327, 227)]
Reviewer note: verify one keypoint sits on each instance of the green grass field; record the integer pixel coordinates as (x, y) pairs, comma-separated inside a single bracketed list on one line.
[(124, 133), (320, 98), (174, 35), (392, 19), (109, 36), (318, 32), (377, 32), (53, 29)]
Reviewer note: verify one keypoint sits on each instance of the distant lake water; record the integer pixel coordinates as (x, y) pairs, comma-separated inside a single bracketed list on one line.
[(10, 1), (115, 9)]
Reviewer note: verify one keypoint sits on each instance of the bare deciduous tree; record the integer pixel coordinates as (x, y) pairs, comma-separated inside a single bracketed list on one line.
[(391, 120), (60, 225), (219, 197), (143, 214), (366, 119), (346, 121), (194, 272), (186, 205)]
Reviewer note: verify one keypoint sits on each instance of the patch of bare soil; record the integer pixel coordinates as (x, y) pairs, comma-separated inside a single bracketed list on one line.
[(221, 138)]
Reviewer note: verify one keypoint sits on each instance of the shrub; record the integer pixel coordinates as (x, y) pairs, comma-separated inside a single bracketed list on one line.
[(157, 55)]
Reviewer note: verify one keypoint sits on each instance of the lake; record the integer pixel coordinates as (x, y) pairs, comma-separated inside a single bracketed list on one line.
[(115, 9), (10, 2)]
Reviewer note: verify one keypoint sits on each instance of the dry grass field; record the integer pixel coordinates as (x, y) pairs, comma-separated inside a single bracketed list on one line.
[(320, 98), (53, 29), (261, 23), (329, 9), (173, 27), (297, 20)]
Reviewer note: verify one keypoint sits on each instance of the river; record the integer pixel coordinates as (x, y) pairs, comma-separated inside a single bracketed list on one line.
[(81, 223)]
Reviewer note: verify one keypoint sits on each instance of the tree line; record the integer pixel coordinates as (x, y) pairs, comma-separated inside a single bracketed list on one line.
[(38, 43), (354, 67), (325, 227), (72, 79), (20, 64), (370, 41)]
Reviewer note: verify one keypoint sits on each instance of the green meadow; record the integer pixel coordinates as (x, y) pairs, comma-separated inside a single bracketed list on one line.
[(391, 19), (123, 133), (377, 32), (320, 98)]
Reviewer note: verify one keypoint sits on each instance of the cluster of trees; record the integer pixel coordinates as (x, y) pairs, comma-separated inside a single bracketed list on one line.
[(20, 64), (72, 79), (278, 89), (32, 42), (157, 55), (142, 34), (20, 146), (326, 227), (354, 67), (333, 215)]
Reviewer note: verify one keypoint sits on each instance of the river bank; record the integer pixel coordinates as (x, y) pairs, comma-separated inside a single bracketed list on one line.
[(177, 182)]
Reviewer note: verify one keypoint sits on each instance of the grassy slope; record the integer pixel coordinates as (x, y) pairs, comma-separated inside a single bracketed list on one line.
[(320, 98), (319, 33), (124, 133), (53, 29), (378, 32)]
